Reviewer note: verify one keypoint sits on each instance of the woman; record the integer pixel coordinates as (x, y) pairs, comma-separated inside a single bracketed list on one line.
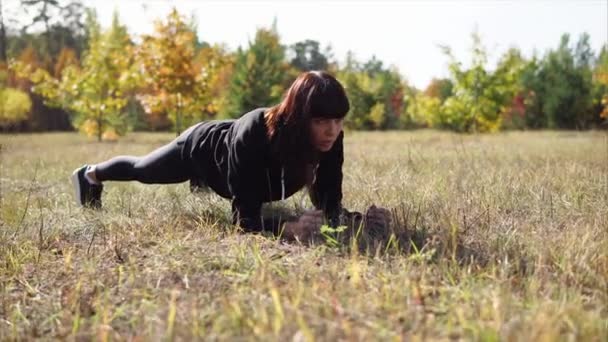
[(266, 155)]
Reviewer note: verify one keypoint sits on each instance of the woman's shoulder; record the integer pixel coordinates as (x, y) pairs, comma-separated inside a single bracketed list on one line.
[(252, 121), (250, 127), (254, 116)]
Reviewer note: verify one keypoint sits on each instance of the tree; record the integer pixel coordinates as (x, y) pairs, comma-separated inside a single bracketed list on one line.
[(509, 71), (95, 93), (65, 58), (479, 94), (52, 25), (559, 86), (373, 67), (376, 94), (390, 93), (377, 115), (216, 66), (30, 58), (307, 56), (2, 36), (14, 103), (412, 116), (351, 64), (14, 106), (173, 84), (45, 10), (92, 28), (427, 111), (359, 101), (600, 85), (259, 77), (440, 88)]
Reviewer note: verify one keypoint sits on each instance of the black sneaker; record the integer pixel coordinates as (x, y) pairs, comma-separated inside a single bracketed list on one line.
[(87, 194)]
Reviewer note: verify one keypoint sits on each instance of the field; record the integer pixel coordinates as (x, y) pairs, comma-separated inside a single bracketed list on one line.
[(496, 237)]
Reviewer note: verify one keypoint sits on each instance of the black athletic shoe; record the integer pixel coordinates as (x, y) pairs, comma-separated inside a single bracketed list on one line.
[(87, 194)]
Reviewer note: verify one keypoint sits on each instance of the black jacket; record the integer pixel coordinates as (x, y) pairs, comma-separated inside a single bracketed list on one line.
[(233, 158)]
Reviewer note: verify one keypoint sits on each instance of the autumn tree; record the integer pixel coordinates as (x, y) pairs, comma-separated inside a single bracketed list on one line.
[(173, 84), (48, 27), (509, 70), (14, 103), (215, 65), (391, 96), (424, 110), (600, 84), (440, 88), (360, 101), (480, 94), (376, 94), (95, 92), (66, 57), (14, 106)]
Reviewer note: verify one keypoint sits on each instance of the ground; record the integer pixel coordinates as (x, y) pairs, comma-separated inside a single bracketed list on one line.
[(501, 236)]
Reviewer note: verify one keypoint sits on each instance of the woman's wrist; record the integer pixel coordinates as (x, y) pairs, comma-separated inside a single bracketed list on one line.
[(287, 228)]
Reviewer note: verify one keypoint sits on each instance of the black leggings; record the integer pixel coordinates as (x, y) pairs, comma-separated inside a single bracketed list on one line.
[(164, 165)]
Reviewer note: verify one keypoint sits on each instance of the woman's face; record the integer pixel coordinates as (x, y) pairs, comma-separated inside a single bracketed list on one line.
[(324, 132)]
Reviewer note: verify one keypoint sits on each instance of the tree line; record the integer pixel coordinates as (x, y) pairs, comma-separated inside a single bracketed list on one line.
[(74, 74)]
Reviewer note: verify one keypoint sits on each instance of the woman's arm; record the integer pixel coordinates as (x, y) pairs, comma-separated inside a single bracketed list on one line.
[(245, 174), (326, 190)]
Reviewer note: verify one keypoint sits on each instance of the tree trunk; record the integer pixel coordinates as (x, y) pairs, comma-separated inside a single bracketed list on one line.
[(178, 115), (99, 126), (177, 122)]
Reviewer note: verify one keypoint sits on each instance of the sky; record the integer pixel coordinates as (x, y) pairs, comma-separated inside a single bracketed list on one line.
[(404, 34)]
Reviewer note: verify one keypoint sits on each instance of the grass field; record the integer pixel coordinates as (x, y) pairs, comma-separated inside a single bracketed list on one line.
[(500, 237)]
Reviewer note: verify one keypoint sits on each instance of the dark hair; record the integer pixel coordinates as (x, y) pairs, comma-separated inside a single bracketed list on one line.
[(313, 94)]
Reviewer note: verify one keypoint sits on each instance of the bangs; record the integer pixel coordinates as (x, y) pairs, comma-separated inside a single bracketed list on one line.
[(328, 100)]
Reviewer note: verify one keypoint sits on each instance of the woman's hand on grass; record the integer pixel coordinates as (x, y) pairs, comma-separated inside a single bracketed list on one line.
[(307, 225), (377, 217)]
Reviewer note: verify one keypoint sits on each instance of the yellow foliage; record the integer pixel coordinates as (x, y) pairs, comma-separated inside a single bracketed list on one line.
[(489, 126), (109, 135), (601, 77), (66, 58), (29, 57), (14, 105), (427, 109), (89, 127), (376, 115), (169, 74), (604, 113)]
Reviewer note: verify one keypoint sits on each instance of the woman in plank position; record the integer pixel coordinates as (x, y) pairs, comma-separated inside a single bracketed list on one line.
[(268, 154)]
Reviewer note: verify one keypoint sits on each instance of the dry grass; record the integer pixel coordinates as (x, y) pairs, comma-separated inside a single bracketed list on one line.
[(495, 237)]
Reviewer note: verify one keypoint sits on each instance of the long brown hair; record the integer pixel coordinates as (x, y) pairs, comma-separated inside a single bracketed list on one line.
[(313, 94)]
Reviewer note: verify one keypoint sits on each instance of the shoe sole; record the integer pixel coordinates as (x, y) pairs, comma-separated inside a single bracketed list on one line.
[(76, 184)]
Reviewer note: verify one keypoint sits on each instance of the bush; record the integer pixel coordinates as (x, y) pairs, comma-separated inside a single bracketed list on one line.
[(14, 106)]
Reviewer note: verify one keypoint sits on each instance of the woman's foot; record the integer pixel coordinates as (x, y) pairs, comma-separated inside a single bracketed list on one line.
[(87, 194)]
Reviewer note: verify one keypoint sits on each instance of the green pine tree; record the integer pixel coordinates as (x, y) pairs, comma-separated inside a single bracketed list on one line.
[(259, 75)]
